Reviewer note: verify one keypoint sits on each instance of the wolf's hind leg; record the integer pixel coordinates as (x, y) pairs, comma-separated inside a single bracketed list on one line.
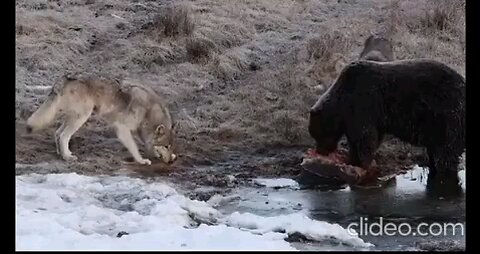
[(74, 121)]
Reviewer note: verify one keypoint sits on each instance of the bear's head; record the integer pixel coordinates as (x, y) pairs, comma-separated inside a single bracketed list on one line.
[(326, 123)]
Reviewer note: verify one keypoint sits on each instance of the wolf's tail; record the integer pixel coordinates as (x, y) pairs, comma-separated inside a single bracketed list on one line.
[(45, 114)]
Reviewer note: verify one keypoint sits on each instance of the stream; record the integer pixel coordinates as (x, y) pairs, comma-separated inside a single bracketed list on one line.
[(404, 201)]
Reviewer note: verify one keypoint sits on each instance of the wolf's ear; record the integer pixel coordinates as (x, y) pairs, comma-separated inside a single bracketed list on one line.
[(160, 130)]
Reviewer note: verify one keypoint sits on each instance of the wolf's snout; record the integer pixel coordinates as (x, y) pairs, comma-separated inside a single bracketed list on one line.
[(29, 129), (165, 154), (173, 158)]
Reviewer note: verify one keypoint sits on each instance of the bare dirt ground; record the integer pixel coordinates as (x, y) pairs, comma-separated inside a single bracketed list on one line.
[(238, 76)]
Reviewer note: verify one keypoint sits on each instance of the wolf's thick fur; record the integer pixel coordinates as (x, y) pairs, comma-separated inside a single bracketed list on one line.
[(377, 48), (421, 102), (127, 107)]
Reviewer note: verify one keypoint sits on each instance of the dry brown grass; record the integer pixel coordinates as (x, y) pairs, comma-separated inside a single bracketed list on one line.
[(236, 74), (328, 44), (151, 55), (442, 16), (175, 20), (199, 49), (429, 29), (327, 55), (229, 65)]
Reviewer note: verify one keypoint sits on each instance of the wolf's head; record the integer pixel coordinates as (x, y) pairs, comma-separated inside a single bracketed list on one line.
[(158, 132), (159, 140), (164, 143)]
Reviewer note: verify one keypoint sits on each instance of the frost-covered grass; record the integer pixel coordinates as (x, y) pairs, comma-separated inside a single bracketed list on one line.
[(238, 73)]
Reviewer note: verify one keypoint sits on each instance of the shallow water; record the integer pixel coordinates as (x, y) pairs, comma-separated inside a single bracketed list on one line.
[(404, 201)]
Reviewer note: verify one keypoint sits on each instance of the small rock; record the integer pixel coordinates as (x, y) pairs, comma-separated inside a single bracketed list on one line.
[(75, 28), (296, 237), (254, 66), (120, 26), (296, 37), (122, 233)]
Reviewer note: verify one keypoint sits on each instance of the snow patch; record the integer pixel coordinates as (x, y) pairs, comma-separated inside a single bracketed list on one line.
[(75, 212), (294, 223), (277, 183)]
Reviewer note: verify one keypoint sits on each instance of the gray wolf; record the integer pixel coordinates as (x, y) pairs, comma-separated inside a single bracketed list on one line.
[(128, 107)]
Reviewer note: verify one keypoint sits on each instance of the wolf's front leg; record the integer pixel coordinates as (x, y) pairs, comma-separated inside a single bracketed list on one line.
[(125, 136)]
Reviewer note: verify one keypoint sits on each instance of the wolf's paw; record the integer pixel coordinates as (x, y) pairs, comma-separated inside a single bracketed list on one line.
[(145, 162), (69, 157)]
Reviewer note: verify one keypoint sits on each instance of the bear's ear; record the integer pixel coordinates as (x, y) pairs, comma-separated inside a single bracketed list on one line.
[(160, 130)]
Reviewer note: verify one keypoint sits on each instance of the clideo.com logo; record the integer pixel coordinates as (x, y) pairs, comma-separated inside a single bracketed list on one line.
[(379, 228)]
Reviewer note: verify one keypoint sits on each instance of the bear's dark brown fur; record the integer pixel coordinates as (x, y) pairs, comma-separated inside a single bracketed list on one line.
[(421, 102)]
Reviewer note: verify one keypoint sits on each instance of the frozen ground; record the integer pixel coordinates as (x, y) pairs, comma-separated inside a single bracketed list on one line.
[(75, 212)]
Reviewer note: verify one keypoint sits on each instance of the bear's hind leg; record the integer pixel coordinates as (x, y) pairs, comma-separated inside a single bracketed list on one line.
[(432, 169), (443, 179)]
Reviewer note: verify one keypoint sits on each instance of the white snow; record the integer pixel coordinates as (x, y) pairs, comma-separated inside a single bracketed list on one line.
[(75, 212), (217, 199), (292, 223), (277, 183)]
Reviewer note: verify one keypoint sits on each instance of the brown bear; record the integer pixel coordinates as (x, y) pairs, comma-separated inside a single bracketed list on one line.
[(421, 102), (377, 48)]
